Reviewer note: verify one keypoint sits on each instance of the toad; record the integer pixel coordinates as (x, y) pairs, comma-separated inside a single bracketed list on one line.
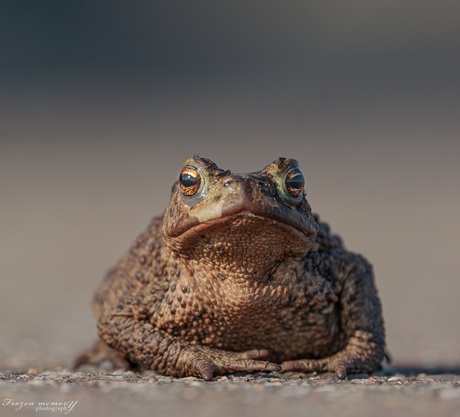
[(239, 275)]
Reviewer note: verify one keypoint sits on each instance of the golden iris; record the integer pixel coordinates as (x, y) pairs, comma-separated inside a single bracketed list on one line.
[(189, 181)]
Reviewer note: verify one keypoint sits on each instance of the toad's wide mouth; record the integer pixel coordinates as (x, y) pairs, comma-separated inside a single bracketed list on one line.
[(299, 241)]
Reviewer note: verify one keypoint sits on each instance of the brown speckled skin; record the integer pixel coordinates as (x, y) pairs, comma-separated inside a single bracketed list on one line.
[(240, 267)]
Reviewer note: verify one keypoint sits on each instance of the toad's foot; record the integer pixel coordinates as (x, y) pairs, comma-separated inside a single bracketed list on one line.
[(204, 362), (103, 354), (361, 355)]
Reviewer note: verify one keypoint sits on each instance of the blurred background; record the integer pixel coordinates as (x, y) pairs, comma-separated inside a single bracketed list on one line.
[(101, 102)]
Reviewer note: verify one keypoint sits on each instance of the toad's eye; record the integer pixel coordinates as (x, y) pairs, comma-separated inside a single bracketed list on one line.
[(190, 181), (295, 183)]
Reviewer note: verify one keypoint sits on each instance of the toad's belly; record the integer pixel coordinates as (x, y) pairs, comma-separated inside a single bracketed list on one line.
[(286, 335)]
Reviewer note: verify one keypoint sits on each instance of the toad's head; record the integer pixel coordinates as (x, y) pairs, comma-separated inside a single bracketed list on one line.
[(240, 223)]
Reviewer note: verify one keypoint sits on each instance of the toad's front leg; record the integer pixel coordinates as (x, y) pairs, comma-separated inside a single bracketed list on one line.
[(360, 355), (204, 362), (156, 350), (362, 323)]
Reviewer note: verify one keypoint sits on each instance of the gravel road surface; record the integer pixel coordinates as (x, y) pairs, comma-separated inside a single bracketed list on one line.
[(389, 392)]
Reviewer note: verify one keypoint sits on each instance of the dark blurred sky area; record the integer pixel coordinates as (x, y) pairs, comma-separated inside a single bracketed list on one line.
[(303, 47)]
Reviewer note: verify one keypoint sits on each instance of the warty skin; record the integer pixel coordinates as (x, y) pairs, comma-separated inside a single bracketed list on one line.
[(239, 275)]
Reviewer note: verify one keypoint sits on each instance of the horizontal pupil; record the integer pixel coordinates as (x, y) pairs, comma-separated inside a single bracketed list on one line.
[(297, 181), (297, 185), (187, 180)]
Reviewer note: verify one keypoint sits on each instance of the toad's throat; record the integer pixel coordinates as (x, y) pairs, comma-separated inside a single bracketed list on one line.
[(241, 243)]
